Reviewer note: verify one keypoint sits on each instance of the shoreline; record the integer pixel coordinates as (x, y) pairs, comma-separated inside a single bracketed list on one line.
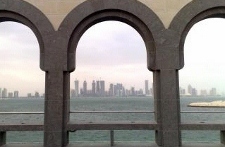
[(213, 104)]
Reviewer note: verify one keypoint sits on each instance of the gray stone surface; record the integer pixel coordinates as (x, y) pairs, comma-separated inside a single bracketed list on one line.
[(165, 56)]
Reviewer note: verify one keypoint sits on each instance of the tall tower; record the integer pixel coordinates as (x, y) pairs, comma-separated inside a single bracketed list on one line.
[(146, 87), (98, 88), (111, 90), (93, 88), (76, 88), (4, 93), (102, 88), (85, 88), (190, 89), (16, 94)]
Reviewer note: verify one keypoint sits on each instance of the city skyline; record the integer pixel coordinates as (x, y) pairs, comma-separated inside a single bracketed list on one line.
[(99, 88), (4, 93), (189, 90), (118, 56), (95, 87)]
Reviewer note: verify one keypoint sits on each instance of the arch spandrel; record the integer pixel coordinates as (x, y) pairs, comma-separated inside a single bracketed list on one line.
[(132, 12), (192, 13), (27, 14)]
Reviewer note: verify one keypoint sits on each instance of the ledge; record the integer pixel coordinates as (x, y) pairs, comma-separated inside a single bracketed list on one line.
[(21, 127), (203, 125), (117, 125)]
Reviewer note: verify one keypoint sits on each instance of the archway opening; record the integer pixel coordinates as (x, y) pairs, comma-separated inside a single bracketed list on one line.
[(202, 78), (22, 81), (111, 76)]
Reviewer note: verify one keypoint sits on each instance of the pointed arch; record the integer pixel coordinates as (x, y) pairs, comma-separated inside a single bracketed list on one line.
[(132, 12), (27, 14), (192, 13)]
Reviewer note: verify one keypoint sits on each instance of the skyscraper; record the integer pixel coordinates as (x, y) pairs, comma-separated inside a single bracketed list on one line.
[(111, 93), (76, 88), (190, 89), (85, 88), (16, 94), (98, 88), (146, 87), (102, 88), (4, 93), (93, 88), (132, 91)]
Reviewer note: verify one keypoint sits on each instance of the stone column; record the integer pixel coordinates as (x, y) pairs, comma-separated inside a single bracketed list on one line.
[(56, 109), (2, 138), (167, 107), (222, 137)]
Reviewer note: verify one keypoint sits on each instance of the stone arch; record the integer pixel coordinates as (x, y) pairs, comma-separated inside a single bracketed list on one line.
[(192, 13), (27, 14), (132, 12)]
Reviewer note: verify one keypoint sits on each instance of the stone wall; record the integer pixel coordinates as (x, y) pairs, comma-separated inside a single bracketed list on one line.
[(56, 10)]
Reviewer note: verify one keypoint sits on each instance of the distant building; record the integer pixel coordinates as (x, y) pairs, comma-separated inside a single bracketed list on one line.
[(84, 88), (16, 94), (146, 87), (111, 90), (140, 92), (132, 91), (98, 88), (182, 91), (76, 88), (118, 90), (4, 93), (151, 92), (123, 92), (29, 95), (36, 95), (72, 93), (102, 88), (203, 92), (194, 92), (10, 95), (213, 92), (190, 89), (93, 88)]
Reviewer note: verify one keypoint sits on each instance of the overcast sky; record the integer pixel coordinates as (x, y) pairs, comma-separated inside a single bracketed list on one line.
[(114, 52)]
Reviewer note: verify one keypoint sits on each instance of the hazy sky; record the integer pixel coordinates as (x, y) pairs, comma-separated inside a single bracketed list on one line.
[(114, 52)]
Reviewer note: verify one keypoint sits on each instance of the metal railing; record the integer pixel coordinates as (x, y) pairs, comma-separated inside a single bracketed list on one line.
[(75, 112), (9, 113), (112, 112), (202, 112), (184, 126)]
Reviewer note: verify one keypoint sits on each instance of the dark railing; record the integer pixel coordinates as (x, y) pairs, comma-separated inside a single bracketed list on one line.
[(111, 125)]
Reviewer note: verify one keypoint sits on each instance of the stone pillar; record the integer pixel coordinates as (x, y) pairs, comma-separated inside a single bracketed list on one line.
[(222, 137), (167, 108), (112, 138), (56, 109), (2, 138)]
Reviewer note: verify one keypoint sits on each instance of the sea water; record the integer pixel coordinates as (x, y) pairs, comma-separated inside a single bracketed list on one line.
[(108, 104)]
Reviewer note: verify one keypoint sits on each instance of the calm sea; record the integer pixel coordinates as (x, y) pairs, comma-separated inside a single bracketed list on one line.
[(108, 104)]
